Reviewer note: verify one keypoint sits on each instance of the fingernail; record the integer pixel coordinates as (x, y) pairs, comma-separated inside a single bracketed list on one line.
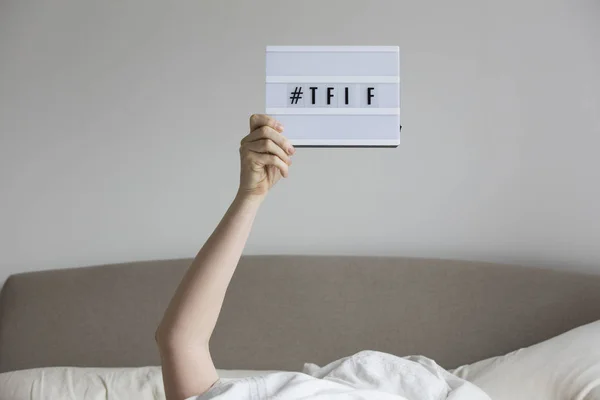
[(278, 126), (291, 150)]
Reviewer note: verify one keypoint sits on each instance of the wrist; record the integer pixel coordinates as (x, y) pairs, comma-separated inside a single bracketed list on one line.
[(248, 201)]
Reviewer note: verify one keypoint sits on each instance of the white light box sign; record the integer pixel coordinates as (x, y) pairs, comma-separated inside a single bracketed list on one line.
[(335, 96)]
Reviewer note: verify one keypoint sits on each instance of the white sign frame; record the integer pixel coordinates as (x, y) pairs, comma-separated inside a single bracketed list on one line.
[(335, 96)]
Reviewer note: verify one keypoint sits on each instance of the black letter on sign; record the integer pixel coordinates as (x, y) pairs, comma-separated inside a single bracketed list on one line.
[(370, 95), (346, 91), (312, 89), (329, 95)]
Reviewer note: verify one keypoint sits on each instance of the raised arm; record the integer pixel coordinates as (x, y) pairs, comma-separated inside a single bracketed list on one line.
[(185, 330)]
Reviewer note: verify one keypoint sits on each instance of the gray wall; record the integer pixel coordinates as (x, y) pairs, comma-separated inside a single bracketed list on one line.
[(120, 123)]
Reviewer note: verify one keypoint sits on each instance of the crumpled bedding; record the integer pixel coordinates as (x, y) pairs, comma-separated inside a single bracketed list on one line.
[(365, 375)]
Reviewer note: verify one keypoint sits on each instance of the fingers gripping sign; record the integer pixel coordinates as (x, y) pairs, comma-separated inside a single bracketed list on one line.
[(265, 156)]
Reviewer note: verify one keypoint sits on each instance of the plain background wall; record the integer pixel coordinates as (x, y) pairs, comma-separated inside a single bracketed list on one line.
[(120, 123)]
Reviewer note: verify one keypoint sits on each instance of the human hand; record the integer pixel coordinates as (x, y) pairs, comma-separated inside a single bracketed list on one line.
[(265, 156)]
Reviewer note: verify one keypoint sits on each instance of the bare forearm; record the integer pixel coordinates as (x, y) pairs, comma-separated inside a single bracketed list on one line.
[(184, 333), (194, 309)]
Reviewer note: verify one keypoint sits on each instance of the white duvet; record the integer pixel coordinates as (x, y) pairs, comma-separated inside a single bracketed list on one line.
[(365, 375), (564, 367)]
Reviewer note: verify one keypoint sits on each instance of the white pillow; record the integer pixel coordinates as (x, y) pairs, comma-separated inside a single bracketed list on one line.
[(70, 383), (566, 367)]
